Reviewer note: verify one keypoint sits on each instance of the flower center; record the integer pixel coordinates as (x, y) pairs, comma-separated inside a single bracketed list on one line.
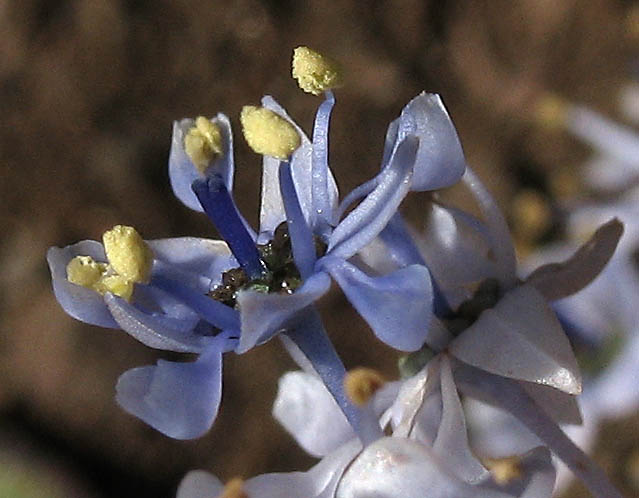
[(282, 275)]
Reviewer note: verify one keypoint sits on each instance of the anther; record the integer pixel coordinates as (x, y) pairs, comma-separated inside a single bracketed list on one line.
[(203, 143), (267, 133), (314, 72), (128, 254), (504, 470), (550, 111), (361, 383), (234, 489)]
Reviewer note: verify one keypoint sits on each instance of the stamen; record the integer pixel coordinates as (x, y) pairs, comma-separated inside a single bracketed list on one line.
[(320, 192), (84, 271), (128, 254), (220, 208), (551, 111), (302, 242), (268, 133), (234, 489), (361, 383), (99, 277), (115, 284), (504, 470), (314, 72), (203, 143)]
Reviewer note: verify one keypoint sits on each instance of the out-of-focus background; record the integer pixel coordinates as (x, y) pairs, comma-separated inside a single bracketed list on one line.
[(88, 92)]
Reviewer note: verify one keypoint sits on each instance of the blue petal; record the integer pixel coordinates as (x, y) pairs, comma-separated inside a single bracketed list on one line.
[(262, 315), (205, 257), (156, 330), (368, 219), (81, 303), (182, 172), (440, 159), (180, 400), (396, 306)]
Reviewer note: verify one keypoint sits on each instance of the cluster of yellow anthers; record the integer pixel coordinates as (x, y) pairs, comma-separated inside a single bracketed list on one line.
[(266, 132), (130, 260)]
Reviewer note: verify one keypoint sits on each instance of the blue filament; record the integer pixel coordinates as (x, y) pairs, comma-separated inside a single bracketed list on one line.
[(301, 236), (220, 208), (321, 203)]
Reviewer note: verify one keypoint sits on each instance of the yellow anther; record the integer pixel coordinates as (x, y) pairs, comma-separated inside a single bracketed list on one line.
[(203, 143), (115, 284), (315, 72), (550, 111), (504, 470), (268, 133), (234, 489), (361, 383), (128, 254), (532, 214), (84, 271)]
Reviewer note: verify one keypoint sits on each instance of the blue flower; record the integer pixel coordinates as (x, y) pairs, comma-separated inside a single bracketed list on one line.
[(161, 320), (422, 153)]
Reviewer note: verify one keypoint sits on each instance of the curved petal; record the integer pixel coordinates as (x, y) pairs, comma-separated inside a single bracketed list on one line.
[(440, 159), (456, 247), (393, 467), (262, 314), (397, 306), (180, 400), (155, 330), (199, 484), (204, 257), (452, 438), (558, 280), (310, 414), (182, 172), (521, 338), (81, 303), (370, 217)]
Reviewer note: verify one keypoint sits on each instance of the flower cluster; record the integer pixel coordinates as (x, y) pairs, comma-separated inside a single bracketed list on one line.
[(449, 298)]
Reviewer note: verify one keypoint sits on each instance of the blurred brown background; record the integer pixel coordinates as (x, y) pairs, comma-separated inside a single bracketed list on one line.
[(88, 91)]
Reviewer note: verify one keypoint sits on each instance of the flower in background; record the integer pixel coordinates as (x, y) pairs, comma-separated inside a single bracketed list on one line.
[(389, 466)]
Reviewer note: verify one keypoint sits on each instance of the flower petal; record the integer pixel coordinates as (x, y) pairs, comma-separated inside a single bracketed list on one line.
[(397, 306), (393, 467), (521, 338), (558, 280), (205, 257), (81, 303), (180, 400), (440, 159), (370, 217), (310, 414), (452, 438), (199, 484), (182, 171), (155, 330), (262, 314)]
